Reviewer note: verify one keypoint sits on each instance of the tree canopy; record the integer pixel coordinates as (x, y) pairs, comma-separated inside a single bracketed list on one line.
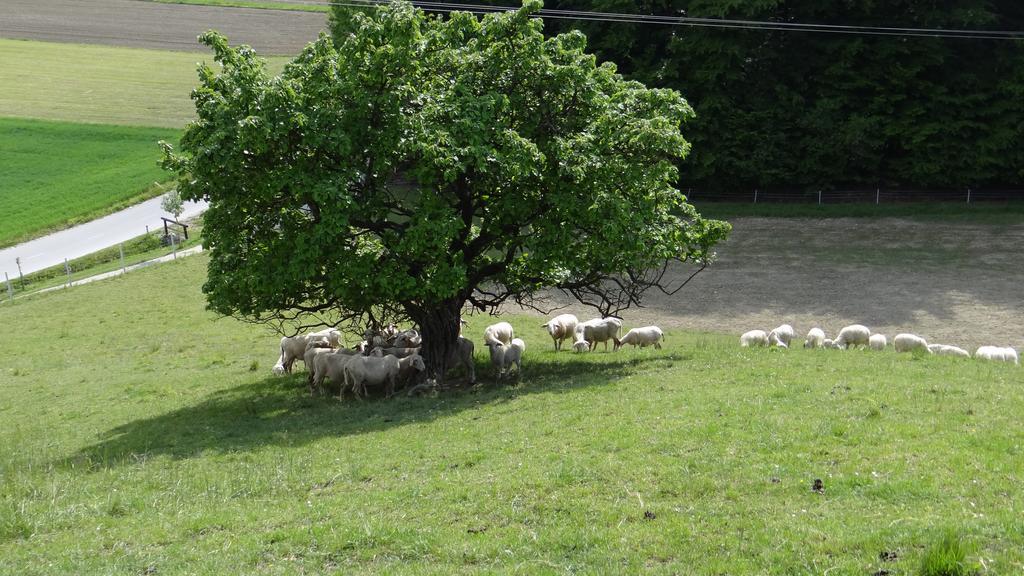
[(804, 110), (419, 164)]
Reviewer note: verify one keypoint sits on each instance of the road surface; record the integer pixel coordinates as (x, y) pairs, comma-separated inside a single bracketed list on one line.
[(161, 26), (89, 237)]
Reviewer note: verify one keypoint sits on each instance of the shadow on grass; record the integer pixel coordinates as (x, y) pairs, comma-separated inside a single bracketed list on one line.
[(279, 411)]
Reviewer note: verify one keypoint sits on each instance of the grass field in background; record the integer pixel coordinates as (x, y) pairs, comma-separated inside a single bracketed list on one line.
[(157, 441), (57, 173), (100, 84), (982, 212), (302, 5)]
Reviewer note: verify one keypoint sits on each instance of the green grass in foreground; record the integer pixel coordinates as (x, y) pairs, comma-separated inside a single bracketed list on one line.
[(301, 5), (100, 84), (981, 212), (143, 434), (56, 174)]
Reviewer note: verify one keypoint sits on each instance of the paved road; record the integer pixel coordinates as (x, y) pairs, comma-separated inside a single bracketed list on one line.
[(162, 26), (87, 238)]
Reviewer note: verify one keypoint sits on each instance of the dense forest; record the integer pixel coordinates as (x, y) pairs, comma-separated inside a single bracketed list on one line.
[(804, 110)]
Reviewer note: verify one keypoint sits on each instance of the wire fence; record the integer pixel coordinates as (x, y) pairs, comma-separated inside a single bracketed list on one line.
[(860, 196)]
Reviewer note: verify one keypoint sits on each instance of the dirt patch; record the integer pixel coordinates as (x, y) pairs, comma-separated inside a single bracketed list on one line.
[(952, 283), (161, 26)]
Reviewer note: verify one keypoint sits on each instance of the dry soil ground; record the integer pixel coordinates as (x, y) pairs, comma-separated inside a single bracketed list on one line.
[(955, 283), (161, 26)]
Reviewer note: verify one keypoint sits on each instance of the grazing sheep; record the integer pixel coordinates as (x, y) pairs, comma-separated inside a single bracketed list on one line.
[(503, 357), (909, 343), (852, 335), (828, 343), (500, 333), (997, 354), (877, 342), (815, 338), (947, 350), (294, 348), (591, 332), (642, 337), (377, 370), (561, 328), (754, 338), (781, 336), (332, 366)]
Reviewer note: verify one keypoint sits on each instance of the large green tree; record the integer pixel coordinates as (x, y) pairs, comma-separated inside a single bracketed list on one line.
[(424, 164)]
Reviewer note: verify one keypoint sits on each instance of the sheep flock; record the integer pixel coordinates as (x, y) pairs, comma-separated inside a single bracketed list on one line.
[(857, 335), (389, 358)]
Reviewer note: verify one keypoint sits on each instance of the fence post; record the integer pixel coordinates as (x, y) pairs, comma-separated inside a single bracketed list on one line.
[(20, 275), (174, 246), (755, 195), (67, 270), (147, 229), (819, 197), (10, 289), (968, 195), (123, 269), (877, 193)]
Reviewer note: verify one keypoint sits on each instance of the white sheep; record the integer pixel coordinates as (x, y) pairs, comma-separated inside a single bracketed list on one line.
[(376, 370), (754, 338), (642, 337), (294, 347), (877, 342), (503, 357), (462, 354), (332, 366), (827, 343), (589, 333), (313, 349), (852, 335), (500, 333), (910, 342), (407, 339), (781, 336), (815, 338), (947, 350), (396, 352), (561, 328), (997, 354)]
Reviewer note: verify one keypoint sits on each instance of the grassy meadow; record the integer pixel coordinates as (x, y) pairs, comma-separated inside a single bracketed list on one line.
[(142, 434), (58, 173), (100, 84)]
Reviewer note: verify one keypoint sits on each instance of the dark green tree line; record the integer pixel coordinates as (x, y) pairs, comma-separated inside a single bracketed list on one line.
[(811, 110)]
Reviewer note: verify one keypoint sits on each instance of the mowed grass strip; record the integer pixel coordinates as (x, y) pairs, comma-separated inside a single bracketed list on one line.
[(56, 173), (100, 84), (300, 5), (143, 434)]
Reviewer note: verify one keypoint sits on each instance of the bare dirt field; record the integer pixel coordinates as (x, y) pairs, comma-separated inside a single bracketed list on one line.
[(140, 24), (952, 283)]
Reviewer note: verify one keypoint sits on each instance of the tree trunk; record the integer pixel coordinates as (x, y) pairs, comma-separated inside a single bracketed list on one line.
[(439, 327)]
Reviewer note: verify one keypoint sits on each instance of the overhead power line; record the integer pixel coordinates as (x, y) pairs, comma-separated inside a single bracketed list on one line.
[(612, 17)]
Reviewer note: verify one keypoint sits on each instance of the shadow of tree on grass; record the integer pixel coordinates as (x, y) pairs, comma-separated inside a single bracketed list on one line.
[(279, 411)]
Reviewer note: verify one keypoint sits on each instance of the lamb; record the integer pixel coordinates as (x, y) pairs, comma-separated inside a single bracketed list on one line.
[(815, 338), (946, 350), (997, 354), (781, 336), (589, 333), (642, 337), (332, 366), (396, 352), (561, 328), (877, 342), (294, 347), (503, 357), (909, 343), (374, 370), (852, 335), (500, 333), (754, 338)]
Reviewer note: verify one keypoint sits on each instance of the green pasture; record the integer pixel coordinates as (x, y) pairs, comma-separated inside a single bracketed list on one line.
[(301, 5), (100, 84), (143, 434), (56, 174)]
